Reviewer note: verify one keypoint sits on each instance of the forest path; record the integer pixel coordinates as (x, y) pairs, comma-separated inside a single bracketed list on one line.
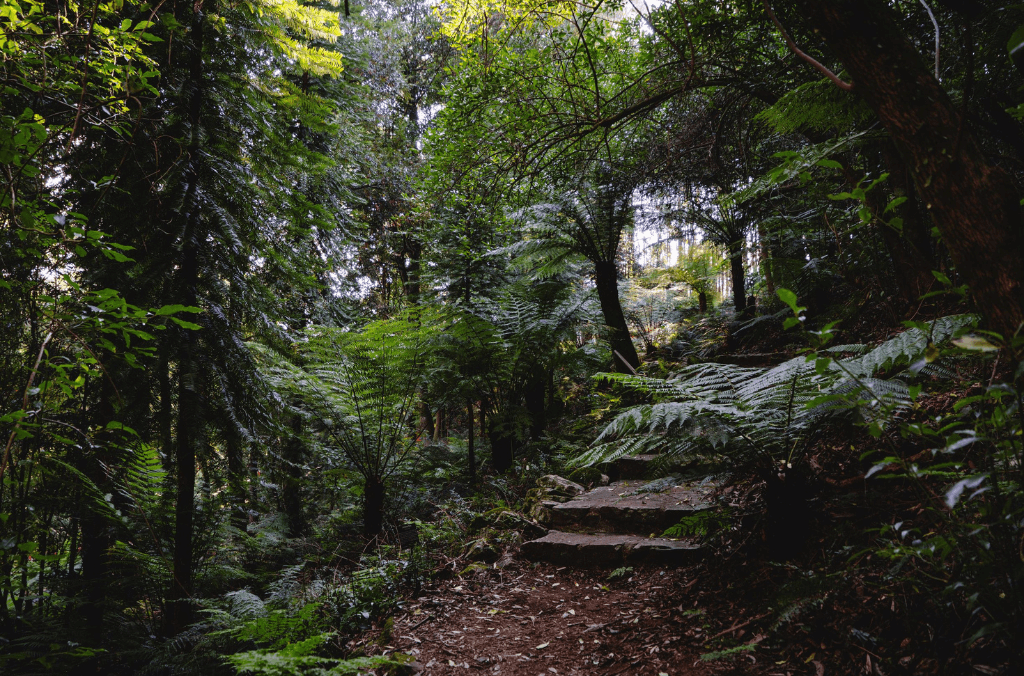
[(541, 619)]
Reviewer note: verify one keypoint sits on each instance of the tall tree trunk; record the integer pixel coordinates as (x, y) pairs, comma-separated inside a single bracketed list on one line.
[(179, 611), (189, 413), (533, 396), (766, 260), (166, 411), (438, 425), (236, 479), (412, 286), (291, 493), (97, 534), (739, 283), (470, 441), (96, 542), (606, 278), (973, 203)]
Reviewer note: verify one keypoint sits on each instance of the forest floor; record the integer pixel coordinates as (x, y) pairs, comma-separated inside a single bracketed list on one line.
[(543, 619)]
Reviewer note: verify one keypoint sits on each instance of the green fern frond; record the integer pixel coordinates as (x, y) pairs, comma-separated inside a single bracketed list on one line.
[(908, 346), (723, 409)]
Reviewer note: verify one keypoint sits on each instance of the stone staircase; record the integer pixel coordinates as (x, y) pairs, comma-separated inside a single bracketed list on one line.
[(620, 523)]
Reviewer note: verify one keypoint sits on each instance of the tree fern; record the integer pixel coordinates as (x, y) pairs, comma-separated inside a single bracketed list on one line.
[(359, 390)]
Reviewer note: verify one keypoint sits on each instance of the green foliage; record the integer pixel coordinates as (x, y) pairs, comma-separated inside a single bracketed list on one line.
[(969, 539), (296, 659), (619, 573), (971, 544), (700, 524), (728, 653), (370, 594), (819, 106), (359, 388), (720, 410), (448, 529), (698, 268), (290, 641)]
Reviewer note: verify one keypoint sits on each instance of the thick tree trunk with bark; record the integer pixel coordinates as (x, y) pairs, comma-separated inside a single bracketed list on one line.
[(606, 278), (973, 203)]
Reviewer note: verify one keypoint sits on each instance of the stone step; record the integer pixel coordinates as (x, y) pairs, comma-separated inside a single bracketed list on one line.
[(631, 467), (618, 508), (582, 550)]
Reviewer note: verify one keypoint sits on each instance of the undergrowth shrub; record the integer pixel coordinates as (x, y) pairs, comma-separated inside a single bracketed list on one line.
[(970, 532), (370, 594)]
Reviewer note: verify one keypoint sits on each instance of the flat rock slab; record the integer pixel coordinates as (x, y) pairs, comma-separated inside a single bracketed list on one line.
[(617, 508), (582, 550)]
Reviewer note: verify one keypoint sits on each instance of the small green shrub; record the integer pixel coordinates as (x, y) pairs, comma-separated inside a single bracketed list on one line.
[(371, 594), (728, 653), (700, 525), (620, 572)]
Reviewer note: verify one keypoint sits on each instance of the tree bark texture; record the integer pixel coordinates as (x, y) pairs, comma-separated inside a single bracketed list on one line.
[(606, 278), (973, 203)]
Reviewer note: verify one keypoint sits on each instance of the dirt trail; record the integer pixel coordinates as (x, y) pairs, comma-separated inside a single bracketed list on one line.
[(556, 620)]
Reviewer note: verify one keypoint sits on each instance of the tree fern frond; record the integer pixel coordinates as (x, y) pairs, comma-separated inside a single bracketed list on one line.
[(906, 347), (726, 409)]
